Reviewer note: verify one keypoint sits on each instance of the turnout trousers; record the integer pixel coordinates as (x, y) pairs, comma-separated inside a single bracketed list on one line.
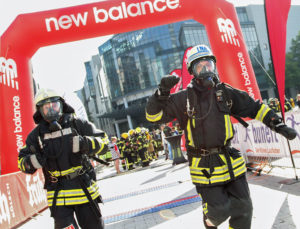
[(229, 200), (64, 217)]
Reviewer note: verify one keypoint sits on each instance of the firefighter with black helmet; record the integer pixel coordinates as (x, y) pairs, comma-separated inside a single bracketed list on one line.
[(61, 145), (203, 111)]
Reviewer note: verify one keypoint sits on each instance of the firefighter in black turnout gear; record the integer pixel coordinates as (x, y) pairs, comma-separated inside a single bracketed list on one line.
[(61, 145), (203, 110)]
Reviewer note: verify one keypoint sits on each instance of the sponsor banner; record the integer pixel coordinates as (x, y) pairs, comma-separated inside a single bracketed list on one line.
[(260, 141), (21, 196)]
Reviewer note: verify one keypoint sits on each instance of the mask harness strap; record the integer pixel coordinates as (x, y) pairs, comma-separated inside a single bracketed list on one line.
[(190, 112)]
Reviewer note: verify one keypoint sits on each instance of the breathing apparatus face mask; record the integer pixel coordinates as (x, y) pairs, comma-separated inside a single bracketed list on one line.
[(204, 72), (51, 110)]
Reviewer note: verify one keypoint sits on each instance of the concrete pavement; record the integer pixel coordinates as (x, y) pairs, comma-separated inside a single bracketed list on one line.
[(162, 196)]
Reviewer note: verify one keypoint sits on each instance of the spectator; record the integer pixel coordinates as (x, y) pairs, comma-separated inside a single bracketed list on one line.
[(274, 104), (287, 105), (164, 142), (174, 131), (115, 153), (297, 102)]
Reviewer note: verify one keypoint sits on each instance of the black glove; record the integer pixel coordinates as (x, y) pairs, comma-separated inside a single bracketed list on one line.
[(80, 144), (85, 145), (278, 126), (166, 84), (35, 160)]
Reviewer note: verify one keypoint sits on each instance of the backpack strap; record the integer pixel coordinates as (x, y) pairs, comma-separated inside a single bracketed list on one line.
[(222, 93)]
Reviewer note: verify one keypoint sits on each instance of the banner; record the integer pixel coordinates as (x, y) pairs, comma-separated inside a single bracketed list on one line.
[(21, 196), (276, 12), (260, 141), (178, 86)]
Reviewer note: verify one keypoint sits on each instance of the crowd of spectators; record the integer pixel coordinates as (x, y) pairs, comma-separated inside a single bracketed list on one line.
[(289, 104)]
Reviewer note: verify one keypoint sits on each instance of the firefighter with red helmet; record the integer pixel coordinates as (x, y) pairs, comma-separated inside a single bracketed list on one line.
[(61, 145), (203, 111)]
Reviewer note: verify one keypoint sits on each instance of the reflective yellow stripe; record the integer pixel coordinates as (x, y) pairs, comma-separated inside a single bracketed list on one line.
[(220, 169), (92, 141), (73, 196), (262, 112), (190, 137), (201, 180), (75, 192), (72, 201), (101, 144), (21, 164), (228, 128), (72, 192), (194, 122), (230, 227), (220, 174), (65, 172), (217, 179), (155, 117), (204, 206), (195, 162)]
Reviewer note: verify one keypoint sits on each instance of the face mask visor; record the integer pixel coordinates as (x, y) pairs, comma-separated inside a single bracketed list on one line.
[(203, 67), (51, 110)]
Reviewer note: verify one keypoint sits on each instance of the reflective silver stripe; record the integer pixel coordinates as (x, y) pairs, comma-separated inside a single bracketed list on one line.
[(35, 162), (76, 144), (40, 142), (57, 134)]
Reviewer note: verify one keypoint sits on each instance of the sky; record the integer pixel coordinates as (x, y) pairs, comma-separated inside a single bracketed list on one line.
[(61, 67)]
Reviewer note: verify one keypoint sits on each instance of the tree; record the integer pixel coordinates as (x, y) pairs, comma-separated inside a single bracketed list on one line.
[(292, 65)]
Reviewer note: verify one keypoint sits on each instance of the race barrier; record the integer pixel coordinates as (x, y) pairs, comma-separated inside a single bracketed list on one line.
[(21, 196), (260, 143)]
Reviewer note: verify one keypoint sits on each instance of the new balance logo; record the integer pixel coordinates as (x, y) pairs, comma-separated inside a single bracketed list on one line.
[(8, 73), (229, 35)]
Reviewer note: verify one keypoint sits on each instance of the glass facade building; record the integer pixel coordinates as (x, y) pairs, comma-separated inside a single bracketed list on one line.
[(137, 60), (134, 62)]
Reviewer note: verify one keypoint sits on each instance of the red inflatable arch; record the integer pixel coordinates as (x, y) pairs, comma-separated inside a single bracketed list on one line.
[(31, 31)]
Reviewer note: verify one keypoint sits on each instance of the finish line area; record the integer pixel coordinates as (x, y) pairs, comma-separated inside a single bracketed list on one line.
[(163, 196)]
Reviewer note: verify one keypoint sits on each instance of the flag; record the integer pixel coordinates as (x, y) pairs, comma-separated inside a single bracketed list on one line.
[(186, 77), (276, 12), (178, 86)]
